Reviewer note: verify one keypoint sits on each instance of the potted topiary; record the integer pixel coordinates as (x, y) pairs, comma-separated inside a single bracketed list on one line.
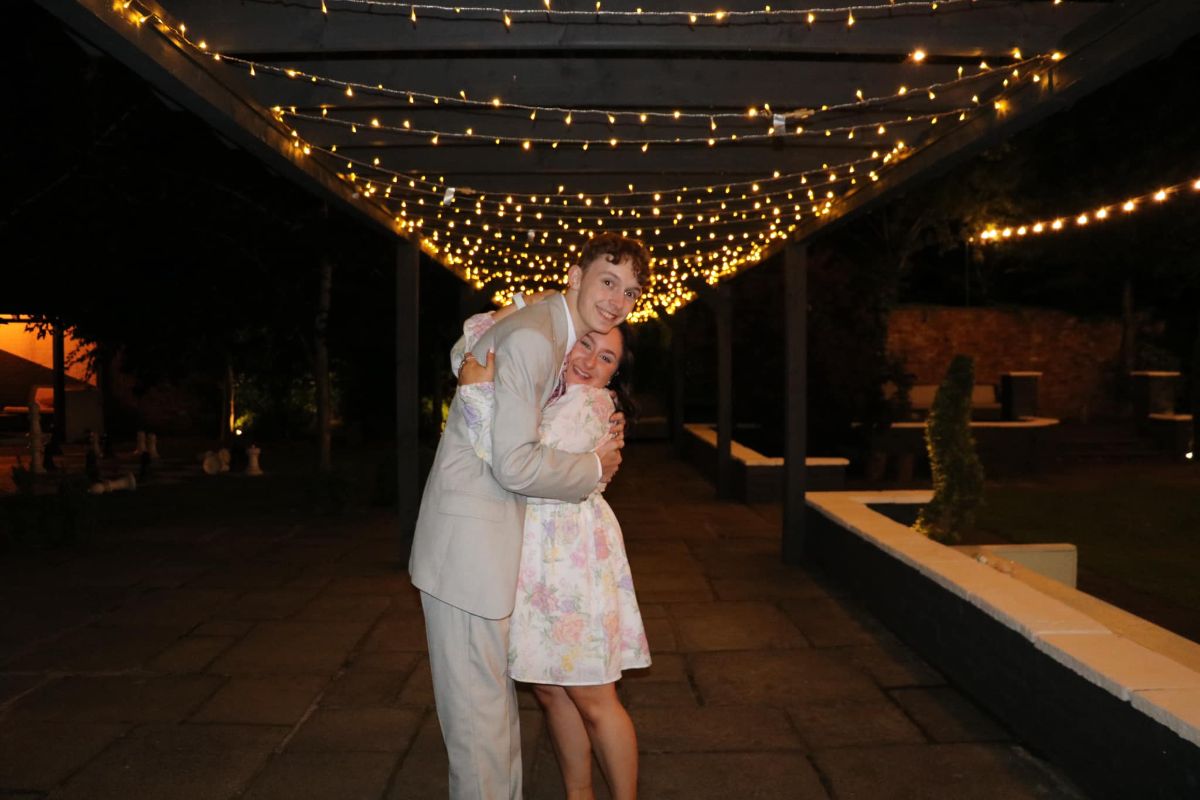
[(957, 471)]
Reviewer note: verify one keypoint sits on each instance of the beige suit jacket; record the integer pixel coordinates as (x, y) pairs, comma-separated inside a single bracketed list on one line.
[(467, 545)]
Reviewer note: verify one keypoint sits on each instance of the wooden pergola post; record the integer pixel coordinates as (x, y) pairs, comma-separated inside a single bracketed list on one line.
[(408, 286), (723, 305), (60, 384), (795, 293), (678, 377)]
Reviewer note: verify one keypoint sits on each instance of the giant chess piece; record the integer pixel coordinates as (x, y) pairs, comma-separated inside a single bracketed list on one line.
[(152, 446), (91, 464), (48, 453), (210, 462), (36, 445), (104, 487), (225, 457), (252, 454), (141, 443)]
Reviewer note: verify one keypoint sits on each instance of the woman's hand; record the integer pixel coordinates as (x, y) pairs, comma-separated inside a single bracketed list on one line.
[(472, 371), (538, 297)]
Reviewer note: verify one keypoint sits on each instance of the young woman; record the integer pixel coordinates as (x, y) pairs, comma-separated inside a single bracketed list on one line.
[(576, 623)]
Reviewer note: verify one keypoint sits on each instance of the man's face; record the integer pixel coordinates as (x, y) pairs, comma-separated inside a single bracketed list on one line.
[(607, 293)]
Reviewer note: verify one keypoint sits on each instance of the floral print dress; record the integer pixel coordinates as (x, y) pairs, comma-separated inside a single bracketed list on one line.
[(576, 620)]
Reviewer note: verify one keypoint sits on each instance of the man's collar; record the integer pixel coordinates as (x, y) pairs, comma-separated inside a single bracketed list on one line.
[(570, 324)]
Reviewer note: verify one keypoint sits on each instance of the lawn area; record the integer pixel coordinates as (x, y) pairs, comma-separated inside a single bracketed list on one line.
[(1137, 525)]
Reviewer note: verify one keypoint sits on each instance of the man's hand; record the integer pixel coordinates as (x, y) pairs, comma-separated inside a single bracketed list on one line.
[(610, 458), (616, 425)]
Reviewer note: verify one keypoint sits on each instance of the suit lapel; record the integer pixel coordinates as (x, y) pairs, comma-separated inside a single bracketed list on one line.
[(558, 325), (558, 335)]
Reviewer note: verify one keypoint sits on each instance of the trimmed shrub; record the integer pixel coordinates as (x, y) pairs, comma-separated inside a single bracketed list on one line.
[(957, 471)]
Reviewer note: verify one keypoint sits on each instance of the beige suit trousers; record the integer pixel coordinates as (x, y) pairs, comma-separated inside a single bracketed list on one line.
[(468, 656)]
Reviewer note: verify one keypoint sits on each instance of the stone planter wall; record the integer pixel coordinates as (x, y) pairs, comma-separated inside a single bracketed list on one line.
[(758, 478), (1122, 719)]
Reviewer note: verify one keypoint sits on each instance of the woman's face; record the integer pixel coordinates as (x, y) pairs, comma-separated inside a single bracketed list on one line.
[(594, 358)]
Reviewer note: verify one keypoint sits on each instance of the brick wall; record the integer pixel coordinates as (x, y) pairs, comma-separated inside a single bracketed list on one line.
[(1077, 357)]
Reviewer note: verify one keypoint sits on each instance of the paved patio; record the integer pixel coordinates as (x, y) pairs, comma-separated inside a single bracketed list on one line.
[(281, 656)]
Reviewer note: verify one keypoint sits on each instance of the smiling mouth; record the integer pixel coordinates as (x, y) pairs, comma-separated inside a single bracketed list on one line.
[(607, 315), (587, 376)]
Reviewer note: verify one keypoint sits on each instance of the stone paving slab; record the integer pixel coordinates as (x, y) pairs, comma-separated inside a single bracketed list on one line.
[(826, 622), (123, 698), (361, 686), (721, 776), (646, 694), (935, 772), (36, 756), (747, 625), (864, 721), (292, 646), (670, 667), (947, 716), (366, 730), (713, 729), (418, 688), (98, 649), (328, 607), (182, 608), (776, 678), (660, 633), (12, 685), (262, 699), (266, 604), (403, 631), (191, 654), (176, 762), (680, 587), (321, 776), (891, 664)]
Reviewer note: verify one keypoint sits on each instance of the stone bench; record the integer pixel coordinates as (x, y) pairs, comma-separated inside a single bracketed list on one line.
[(985, 405)]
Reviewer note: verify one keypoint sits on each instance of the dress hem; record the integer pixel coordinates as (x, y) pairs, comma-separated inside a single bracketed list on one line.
[(582, 683)]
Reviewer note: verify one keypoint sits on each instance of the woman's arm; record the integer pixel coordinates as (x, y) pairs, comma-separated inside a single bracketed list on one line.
[(477, 325)]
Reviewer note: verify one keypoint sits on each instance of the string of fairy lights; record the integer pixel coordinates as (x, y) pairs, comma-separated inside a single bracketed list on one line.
[(841, 15), (997, 233), (776, 120), (504, 242)]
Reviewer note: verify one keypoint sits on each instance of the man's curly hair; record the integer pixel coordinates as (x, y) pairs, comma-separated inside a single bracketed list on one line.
[(616, 248)]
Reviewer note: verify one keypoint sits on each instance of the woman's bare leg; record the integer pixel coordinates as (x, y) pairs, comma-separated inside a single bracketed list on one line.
[(570, 739), (611, 732)]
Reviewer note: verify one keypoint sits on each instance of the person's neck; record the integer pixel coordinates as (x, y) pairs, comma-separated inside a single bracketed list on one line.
[(572, 297)]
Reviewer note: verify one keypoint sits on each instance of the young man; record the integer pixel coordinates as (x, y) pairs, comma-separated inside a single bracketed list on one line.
[(467, 545)]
